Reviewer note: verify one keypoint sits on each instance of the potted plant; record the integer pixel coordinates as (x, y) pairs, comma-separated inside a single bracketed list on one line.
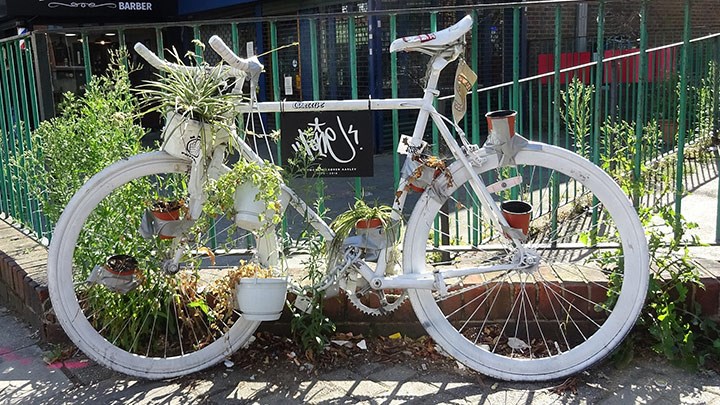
[(164, 211), (421, 170), (120, 274), (198, 106), (374, 227), (251, 193), (260, 293)]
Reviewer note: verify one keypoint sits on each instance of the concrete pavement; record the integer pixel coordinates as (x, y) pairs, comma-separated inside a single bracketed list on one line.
[(26, 378)]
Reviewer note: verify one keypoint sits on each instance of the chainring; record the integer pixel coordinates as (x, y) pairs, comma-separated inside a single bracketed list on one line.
[(367, 300)]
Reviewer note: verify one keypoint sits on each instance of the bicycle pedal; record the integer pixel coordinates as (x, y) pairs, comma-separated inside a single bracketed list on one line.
[(504, 184)]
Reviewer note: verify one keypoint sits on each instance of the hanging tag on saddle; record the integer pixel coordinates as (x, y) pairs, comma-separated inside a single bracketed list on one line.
[(465, 78)]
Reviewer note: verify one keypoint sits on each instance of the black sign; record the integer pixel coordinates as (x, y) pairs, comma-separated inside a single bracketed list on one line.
[(99, 8), (342, 141)]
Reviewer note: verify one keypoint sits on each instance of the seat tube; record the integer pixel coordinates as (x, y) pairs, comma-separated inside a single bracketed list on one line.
[(429, 95)]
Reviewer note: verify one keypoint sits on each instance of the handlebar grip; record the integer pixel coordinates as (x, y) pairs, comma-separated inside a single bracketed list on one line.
[(149, 56), (251, 65)]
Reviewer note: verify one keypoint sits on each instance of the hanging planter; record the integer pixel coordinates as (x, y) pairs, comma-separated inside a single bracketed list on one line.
[(251, 192), (421, 171), (164, 219), (120, 274), (260, 296), (185, 138)]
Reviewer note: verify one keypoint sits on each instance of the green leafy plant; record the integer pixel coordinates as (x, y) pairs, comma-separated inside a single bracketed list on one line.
[(89, 133), (576, 113), (266, 177), (344, 223), (199, 94), (673, 321)]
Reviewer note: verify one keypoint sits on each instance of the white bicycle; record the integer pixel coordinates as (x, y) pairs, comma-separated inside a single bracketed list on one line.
[(537, 301)]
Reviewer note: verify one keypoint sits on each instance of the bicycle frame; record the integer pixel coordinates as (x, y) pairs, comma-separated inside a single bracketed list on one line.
[(377, 277)]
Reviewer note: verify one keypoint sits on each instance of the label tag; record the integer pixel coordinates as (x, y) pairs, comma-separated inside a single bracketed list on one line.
[(465, 78)]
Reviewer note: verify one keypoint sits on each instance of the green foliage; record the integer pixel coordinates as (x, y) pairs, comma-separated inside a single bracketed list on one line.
[(673, 321), (344, 223), (200, 94), (89, 133), (311, 327), (575, 111), (266, 177)]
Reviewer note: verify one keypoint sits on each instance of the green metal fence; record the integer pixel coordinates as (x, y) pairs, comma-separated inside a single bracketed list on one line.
[(342, 53), (19, 116)]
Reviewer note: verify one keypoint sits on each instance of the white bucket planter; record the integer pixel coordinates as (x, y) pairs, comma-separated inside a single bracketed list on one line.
[(261, 299), (183, 137), (249, 210)]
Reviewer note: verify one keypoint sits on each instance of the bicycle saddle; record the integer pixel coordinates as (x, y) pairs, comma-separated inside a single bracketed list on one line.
[(430, 43)]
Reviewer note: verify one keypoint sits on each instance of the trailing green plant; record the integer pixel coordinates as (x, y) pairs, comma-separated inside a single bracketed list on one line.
[(576, 113), (266, 177)]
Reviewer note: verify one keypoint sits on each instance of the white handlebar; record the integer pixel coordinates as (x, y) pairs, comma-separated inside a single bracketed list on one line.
[(152, 59), (251, 66)]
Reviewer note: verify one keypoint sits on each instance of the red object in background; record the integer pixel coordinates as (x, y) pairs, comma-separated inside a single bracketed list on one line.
[(546, 63), (661, 64)]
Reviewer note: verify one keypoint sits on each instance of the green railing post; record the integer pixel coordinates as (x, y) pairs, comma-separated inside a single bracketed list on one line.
[(354, 87), (197, 36), (8, 142), (33, 218), (393, 94), (682, 127), (640, 104), (516, 105), (476, 113), (597, 111), (275, 74), (160, 43), (320, 184), (555, 197), (86, 57), (16, 144)]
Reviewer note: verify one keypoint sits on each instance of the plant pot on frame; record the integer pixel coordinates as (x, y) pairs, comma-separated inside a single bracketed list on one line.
[(119, 274), (165, 212), (249, 210), (261, 299), (184, 137)]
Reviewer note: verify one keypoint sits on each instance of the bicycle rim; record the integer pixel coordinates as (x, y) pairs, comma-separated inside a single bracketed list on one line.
[(543, 321), (168, 324)]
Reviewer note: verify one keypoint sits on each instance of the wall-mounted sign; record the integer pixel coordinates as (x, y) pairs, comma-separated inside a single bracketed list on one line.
[(342, 141), (100, 8)]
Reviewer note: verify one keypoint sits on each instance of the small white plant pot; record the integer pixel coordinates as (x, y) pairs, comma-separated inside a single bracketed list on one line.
[(248, 209), (184, 137), (261, 299)]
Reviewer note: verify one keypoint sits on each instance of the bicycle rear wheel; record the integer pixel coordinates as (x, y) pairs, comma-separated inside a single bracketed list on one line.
[(540, 320), (169, 323)]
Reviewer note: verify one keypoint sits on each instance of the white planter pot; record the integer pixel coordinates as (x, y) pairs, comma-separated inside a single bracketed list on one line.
[(184, 137), (249, 210), (261, 299)]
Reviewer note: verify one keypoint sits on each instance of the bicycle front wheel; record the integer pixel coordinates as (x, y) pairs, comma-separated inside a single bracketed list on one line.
[(158, 321), (573, 296)]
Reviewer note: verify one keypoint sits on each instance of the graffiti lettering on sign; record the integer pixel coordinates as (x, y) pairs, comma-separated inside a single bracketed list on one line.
[(341, 142), (323, 137)]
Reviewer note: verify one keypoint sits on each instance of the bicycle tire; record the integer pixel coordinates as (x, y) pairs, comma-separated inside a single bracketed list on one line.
[(73, 240), (522, 324)]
